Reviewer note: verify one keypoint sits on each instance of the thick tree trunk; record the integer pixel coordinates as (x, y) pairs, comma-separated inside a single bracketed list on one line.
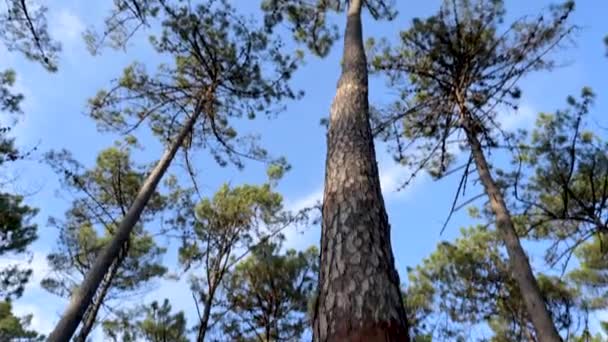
[(359, 290), (519, 263), (82, 297)]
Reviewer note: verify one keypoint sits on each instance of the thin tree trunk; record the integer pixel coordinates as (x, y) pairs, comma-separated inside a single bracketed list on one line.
[(204, 324), (359, 290), (520, 265), (82, 297), (91, 313)]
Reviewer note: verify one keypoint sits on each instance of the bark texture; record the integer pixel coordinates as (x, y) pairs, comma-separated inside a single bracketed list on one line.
[(518, 260), (359, 290), (83, 296)]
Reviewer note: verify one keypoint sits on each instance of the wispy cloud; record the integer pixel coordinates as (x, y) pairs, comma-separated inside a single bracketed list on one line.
[(67, 28), (308, 200), (392, 176), (523, 117), (41, 321)]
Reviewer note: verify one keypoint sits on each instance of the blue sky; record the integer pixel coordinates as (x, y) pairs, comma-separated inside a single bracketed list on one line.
[(55, 118)]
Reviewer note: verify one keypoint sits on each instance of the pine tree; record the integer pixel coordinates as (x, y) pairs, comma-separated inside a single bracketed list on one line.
[(359, 289), (14, 328), (220, 232), (17, 231), (453, 70), (565, 197), (106, 191), (466, 285), (222, 70), (268, 294)]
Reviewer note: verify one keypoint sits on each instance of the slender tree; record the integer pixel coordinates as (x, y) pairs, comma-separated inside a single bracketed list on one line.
[(454, 70), (222, 230), (104, 193), (223, 69), (565, 198), (466, 284), (359, 289), (268, 294)]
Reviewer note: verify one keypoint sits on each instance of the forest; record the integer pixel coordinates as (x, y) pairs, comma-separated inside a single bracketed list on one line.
[(303, 170)]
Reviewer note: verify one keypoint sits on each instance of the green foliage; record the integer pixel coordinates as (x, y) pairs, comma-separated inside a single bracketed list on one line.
[(234, 217), (453, 71), (9, 102), (268, 294), (277, 170), (565, 198), (151, 323), (222, 65), (123, 22), (16, 234), (14, 328), (591, 275), (309, 22), (23, 28), (17, 231), (106, 192), (221, 231), (465, 284)]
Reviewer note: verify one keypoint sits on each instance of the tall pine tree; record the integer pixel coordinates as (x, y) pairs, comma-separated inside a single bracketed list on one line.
[(454, 70), (223, 68), (359, 289)]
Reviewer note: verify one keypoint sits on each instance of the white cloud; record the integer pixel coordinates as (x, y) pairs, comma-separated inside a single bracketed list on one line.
[(306, 201), (40, 268), (66, 27), (523, 117), (40, 317), (392, 178)]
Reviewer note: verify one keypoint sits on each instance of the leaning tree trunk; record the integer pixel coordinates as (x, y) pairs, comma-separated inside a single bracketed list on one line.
[(91, 314), (519, 263), (82, 297), (359, 290)]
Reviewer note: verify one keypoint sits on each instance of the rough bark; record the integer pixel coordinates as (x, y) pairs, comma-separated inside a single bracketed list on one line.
[(518, 260), (82, 297), (359, 290)]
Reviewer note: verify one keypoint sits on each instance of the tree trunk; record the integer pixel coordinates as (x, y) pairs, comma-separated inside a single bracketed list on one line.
[(204, 323), (359, 290), (519, 263), (82, 297), (91, 313)]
